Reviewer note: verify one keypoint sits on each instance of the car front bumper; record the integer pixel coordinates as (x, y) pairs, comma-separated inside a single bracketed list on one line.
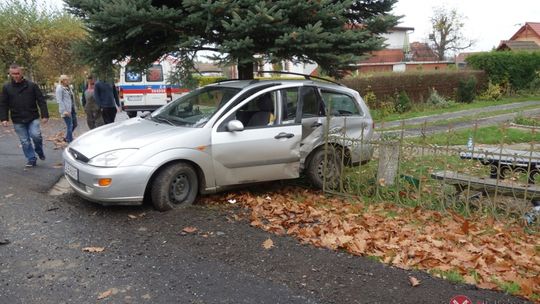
[(127, 187)]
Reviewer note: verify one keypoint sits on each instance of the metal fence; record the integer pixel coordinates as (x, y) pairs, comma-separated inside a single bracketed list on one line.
[(501, 179)]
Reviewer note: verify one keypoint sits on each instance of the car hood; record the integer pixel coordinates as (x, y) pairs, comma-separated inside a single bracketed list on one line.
[(131, 133)]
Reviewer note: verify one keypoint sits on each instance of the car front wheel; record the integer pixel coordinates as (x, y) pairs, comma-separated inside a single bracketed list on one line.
[(131, 114), (176, 186)]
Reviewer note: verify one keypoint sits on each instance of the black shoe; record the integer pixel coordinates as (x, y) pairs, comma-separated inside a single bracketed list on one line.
[(42, 156), (30, 164)]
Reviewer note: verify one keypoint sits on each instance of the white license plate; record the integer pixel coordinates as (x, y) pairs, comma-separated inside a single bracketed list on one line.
[(134, 98), (71, 171)]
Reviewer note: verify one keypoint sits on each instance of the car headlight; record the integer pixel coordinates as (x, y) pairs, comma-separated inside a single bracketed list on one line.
[(111, 158)]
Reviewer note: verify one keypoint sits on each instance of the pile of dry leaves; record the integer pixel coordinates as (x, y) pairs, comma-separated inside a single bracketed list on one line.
[(484, 252)]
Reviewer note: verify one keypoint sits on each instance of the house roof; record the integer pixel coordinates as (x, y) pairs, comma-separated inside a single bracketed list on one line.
[(462, 57), (518, 45), (422, 52), (533, 26), (385, 56)]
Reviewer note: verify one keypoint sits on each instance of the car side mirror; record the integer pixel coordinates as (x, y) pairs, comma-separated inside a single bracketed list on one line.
[(235, 125)]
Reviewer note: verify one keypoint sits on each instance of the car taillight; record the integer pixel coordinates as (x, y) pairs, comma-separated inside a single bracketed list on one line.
[(121, 93), (169, 93)]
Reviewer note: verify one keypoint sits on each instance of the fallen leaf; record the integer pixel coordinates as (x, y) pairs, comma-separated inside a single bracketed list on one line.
[(93, 249), (8, 195), (105, 294), (131, 216), (414, 281), (189, 229), (465, 227), (268, 244), (382, 182)]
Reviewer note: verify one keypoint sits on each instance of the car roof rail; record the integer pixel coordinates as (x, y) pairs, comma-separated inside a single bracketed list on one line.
[(306, 76), (236, 79)]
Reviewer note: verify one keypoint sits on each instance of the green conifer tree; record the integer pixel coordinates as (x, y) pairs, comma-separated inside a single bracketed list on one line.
[(331, 33)]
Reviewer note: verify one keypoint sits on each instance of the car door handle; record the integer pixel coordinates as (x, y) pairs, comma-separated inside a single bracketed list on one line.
[(284, 135), (316, 124)]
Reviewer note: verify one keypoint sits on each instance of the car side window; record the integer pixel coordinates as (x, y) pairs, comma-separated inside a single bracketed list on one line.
[(340, 104), (289, 105), (259, 112), (310, 101)]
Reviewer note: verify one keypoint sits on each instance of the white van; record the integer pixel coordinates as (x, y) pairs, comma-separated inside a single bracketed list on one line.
[(147, 92)]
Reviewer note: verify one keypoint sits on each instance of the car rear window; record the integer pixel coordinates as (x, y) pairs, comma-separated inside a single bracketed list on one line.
[(132, 76), (154, 73)]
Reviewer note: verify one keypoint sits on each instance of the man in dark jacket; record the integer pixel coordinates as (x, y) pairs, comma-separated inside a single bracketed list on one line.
[(107, 99), (20, 100)]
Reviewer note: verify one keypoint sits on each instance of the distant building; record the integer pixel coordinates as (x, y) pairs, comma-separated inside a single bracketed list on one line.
[(527, 38), (400, 55)]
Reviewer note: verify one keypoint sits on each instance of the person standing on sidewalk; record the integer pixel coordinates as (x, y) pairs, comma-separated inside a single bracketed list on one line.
[(107, 99), (93, 112), (66, 106), (20, 100)]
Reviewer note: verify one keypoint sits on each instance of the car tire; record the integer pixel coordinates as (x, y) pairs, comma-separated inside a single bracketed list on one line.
[(316, 168), (131, 114), (175, 186)]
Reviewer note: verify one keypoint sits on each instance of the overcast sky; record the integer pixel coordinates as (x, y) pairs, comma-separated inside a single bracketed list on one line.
[(486, 21)]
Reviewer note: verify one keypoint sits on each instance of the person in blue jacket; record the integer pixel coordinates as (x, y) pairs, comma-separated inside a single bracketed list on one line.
[(106, 97)]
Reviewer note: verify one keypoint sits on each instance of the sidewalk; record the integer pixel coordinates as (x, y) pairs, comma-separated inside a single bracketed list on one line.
[(42, 177)]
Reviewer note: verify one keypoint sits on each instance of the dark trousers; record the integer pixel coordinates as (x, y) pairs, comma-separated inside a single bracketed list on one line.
[(109, 114)]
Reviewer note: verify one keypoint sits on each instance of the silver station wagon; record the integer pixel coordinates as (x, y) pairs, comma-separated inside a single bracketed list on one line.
[(220, 135)]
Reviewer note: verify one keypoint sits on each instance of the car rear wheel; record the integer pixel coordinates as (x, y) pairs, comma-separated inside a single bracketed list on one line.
[(176, 186), (325, 174)]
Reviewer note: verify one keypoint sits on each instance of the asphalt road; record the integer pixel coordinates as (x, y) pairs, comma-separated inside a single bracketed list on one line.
[(148, 260)]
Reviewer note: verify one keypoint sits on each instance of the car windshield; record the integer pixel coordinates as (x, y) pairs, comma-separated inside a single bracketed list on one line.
[(195, 108)]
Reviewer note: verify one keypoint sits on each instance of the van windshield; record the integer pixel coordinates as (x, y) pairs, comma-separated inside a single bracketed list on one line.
[(195, 108)]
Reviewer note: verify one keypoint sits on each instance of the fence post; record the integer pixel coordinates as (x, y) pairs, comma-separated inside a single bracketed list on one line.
[(388, 162)]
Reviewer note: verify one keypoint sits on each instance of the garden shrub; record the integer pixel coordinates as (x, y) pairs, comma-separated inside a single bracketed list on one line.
[(370, 98), (416, 84), (437, 100), (493, 92), (402, 102), (519, 68), (466, 90)]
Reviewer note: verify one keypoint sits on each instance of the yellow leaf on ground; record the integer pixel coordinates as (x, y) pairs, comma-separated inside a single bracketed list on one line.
[(189, 229), (131, 216), (93, 249), (414, 281), (268, 244), (105, 294)]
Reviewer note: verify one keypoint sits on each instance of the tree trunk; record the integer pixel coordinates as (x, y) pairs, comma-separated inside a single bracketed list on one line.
[(245, 71)]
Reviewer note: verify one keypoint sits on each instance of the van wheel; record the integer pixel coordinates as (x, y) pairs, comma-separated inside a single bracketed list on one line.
[(320, 173), (131, 114), (176, 186)]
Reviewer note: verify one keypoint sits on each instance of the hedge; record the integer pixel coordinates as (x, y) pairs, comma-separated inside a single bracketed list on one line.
[(517, 68), (417, 85)]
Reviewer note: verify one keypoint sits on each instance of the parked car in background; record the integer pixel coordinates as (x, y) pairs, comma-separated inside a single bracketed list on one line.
[(223, 134)]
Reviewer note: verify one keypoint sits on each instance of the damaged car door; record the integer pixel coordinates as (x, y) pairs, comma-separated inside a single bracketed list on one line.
[(258, 140)]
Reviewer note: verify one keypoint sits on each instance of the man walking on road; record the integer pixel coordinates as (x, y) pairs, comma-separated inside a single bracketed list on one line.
[(20, 100)]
